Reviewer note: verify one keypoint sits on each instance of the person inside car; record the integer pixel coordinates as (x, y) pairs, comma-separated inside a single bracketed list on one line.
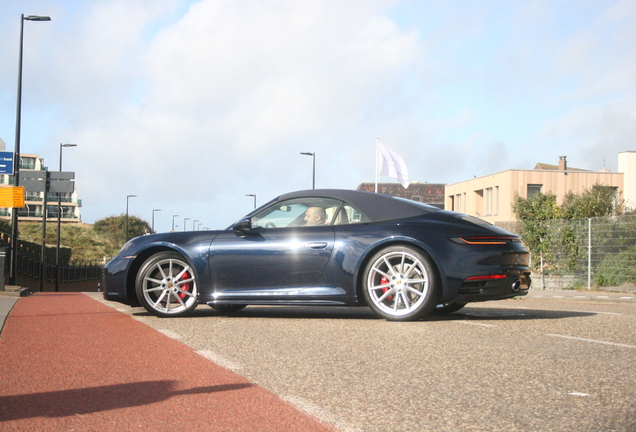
[(315, 216)]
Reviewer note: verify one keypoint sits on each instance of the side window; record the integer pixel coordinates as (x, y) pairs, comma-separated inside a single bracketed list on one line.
[(349, 215), (310, 211)]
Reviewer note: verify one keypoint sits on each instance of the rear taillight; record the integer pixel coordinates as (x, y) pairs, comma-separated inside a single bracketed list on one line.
[(489, 240), (486, 277)]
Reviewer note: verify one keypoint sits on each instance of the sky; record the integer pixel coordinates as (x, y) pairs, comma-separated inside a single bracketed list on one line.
[(192, 105)]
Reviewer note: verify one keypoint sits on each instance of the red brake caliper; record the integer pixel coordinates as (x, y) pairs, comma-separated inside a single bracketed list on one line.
[(383, 281), (186, 286)]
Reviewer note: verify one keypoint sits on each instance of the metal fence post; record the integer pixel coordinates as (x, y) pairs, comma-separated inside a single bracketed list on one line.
[(589, 254)]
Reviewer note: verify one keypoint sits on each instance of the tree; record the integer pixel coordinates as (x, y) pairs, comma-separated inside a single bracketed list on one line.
[(5, 226), (114, 227), (534, 214), (597, 201)]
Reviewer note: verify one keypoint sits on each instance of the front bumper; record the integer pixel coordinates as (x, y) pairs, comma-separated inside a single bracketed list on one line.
[(114, 281)]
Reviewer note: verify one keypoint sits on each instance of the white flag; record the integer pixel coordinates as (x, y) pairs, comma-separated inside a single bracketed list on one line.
[(392, 165)]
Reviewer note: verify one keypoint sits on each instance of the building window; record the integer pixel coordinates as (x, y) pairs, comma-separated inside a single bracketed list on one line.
[(458, 201), (489, 203), (417, 198), (495, 210), (479, 202), (533, 189), (27, 163)]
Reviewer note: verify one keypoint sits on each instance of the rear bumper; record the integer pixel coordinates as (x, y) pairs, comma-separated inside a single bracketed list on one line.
[(515, 284)]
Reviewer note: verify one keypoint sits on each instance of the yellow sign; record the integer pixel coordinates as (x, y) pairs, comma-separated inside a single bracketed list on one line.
[(12, 197)]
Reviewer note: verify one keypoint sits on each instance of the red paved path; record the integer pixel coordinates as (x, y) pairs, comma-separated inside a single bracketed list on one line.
[(70, 363)]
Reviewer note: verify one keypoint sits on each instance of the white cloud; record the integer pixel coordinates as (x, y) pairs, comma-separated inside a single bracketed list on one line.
[(235, 90), (192, 104)]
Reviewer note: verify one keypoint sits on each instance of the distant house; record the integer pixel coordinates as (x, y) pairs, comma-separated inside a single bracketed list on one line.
[(491, 197), (428, 193)]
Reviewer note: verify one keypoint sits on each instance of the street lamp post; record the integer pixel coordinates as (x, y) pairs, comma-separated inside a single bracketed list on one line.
[(173, 216), (252, 195), (153, 219), (16, 152), (313, 177), (127, 197), (194, 222), (184, 223), (59, 225)]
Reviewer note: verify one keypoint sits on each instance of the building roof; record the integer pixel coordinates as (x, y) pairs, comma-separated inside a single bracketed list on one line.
[(429, 193), (549, 167)]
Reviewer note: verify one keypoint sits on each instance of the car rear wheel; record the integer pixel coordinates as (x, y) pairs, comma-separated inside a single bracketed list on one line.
[(400, 284), (166, 286)]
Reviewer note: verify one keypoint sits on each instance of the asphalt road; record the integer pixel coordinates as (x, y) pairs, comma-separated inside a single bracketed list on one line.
[(545, 363)]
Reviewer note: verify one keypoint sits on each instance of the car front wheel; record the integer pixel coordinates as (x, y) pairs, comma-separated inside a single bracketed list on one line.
[(400, 284), (166, 285)]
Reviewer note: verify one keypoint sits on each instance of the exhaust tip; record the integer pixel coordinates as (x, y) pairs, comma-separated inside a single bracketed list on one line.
[(516, 285)]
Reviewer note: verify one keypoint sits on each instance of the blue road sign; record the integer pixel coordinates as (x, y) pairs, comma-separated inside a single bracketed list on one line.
[(6, 163)]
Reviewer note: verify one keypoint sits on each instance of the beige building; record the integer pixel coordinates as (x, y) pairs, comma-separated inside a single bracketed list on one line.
[(627, 166), (491, 197)]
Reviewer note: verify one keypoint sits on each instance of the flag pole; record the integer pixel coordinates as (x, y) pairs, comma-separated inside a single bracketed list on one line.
[(377, 151)]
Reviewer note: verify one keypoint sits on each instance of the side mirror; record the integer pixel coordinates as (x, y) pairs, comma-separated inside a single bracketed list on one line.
[(242, 227)]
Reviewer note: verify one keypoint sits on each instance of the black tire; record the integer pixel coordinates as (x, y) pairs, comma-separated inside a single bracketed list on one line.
[(227, 308), (166, 285), (400, 284), (448, 308)]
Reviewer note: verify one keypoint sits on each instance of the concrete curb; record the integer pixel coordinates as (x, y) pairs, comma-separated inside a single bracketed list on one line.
[(573, 295), (16, 291)]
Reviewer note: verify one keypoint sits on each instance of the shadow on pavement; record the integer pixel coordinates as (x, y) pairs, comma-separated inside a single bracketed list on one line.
[(65, 403), (364, 313), (502, 314)]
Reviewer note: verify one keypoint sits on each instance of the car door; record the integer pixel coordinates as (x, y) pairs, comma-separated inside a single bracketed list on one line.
[(279, 252)]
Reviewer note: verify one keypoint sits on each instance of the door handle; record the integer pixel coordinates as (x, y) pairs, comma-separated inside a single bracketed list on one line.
[(316, 245)]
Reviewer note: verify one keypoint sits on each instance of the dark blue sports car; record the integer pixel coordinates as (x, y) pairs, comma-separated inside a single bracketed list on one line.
[(403, 259)]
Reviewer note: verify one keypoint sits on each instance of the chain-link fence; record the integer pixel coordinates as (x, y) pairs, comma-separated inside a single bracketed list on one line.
[(584, 253)]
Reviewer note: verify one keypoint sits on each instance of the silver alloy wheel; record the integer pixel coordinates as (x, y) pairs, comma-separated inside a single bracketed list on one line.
[(168, 286), (398, 283)]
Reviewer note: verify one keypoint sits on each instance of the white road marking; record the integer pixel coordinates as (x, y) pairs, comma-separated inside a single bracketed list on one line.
[(475, 323), (593, 341), (321, 414), (578, 394), (169, 333), (221, 361)]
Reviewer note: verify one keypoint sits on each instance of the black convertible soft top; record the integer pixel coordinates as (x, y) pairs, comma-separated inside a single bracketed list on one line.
[(377, 207)]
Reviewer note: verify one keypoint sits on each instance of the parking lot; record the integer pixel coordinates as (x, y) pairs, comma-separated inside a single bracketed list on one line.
[(558, 361), (548, 362)]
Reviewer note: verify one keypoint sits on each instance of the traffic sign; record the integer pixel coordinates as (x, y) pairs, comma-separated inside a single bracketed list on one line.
[(58, 181), (6, 163), (12, 197)]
